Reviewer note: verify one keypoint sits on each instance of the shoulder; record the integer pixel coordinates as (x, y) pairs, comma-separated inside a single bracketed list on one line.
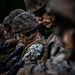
[(38, 43), (36, 46)]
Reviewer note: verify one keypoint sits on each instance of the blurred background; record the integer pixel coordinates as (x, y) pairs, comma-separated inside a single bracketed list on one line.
[(6, 6)]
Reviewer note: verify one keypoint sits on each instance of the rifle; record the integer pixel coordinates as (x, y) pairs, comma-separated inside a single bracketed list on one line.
[(18, 49), (15, 68)]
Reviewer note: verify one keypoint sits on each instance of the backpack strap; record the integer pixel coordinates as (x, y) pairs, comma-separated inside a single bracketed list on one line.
[(46, 51), (37, 41)]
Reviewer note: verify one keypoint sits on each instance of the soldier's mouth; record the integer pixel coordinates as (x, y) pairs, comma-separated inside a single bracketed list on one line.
[(46, 23)]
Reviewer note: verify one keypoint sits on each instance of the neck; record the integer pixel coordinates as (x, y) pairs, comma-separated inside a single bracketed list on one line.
[(37, 36)]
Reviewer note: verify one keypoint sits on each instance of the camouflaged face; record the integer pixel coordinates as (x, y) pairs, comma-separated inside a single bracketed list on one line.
[(14, 13), (25, 22)]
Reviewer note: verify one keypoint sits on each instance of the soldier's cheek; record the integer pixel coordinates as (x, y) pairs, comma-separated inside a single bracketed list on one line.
[(49, 25)]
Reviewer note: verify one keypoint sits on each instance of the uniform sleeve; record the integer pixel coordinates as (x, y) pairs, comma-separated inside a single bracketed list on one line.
[(34, 52), (58, 63)]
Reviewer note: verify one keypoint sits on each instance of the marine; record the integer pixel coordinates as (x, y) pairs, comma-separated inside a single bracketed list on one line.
[(45, 18), (34, 41), (60, 55)]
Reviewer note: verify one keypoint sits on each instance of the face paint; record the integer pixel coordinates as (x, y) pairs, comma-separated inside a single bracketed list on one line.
[(68, 53), (48, 20)]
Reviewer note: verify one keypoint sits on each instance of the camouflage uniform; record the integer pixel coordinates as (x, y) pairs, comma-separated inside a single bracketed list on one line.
[(27, 24), (10, 40), (58, 63), (56, 56), (33, 56), (11, 43), (3, 48)]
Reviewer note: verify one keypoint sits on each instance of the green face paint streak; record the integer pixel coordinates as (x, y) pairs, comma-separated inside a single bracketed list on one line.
[(69, 52)]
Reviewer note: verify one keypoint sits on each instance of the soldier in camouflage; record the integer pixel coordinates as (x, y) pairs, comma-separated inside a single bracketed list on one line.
[(14, 13), (10, 40), (27, 25), (10, 43), (45, 18), (60, 49), (8, 21), (60, 55)]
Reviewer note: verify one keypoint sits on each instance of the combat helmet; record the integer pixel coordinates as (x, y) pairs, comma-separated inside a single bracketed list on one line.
[(34, 5), (7, 24), (6, 20), (1, 28), (14, 13), (65, 8), (25, 23)]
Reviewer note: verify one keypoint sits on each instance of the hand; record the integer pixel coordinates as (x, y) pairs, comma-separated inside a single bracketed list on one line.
[(10, 41)]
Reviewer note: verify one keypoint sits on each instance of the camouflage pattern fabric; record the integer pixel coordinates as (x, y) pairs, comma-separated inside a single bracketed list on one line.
[(57, 63), (32, 6), (33, 52), (14, 13), (6, 20), (25, 22)]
